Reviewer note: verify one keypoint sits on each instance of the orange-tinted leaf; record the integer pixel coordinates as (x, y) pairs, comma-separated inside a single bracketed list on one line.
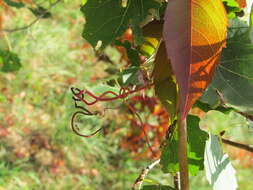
[(195, 33)]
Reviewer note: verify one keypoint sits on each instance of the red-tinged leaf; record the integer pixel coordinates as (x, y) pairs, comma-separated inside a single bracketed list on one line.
[(195, 33)]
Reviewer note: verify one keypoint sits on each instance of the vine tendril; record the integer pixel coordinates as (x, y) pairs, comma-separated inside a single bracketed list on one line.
[(79, 96)]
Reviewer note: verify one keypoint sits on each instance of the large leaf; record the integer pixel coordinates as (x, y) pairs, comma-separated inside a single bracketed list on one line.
[(219, 171), (165, 86), (195, 33), (234, 76), (108, 19), (196, 147)]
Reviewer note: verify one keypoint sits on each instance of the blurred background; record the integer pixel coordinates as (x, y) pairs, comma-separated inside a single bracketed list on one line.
[(38, 149)]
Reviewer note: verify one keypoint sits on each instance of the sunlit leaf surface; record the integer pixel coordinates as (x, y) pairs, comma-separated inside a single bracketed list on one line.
[(195, 33)]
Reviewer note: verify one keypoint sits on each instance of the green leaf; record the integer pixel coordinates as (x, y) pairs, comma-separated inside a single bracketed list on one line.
[(130, 76), (169, 156), (232, 8), (108, 19), (165, 85), (196, 146), (14, 4), (234, 76), (10, 61), (206, 107), (215, 122), (157, 187), (41, 12), (231, 3), (219, 171)]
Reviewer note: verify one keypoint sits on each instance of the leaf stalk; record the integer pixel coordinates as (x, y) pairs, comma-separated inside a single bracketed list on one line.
[(182, 155)]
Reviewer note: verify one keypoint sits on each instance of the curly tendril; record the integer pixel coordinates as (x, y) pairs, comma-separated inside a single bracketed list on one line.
[(79, 96), (84, 111), (123, 93)]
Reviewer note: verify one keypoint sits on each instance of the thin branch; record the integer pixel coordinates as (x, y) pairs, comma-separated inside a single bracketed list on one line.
[(23, 27), (238, 145), (143, 174), (246, 115), (33, 22)]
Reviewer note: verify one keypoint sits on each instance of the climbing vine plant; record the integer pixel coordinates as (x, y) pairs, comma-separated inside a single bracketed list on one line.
[(187, 51)]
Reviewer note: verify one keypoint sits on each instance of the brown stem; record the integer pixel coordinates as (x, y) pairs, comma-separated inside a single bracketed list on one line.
[(238, 145), (182, 155)]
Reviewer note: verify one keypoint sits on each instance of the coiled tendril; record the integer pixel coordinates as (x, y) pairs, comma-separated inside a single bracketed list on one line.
[(78, 96)]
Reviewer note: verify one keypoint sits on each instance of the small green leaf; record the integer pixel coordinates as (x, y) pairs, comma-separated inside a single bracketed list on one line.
[(14, 4), (232, 8), (130, 76), (231, 3), (10, 61), (219, 171), (107, 20), (41, 12), (157, 187), (195, 147)]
